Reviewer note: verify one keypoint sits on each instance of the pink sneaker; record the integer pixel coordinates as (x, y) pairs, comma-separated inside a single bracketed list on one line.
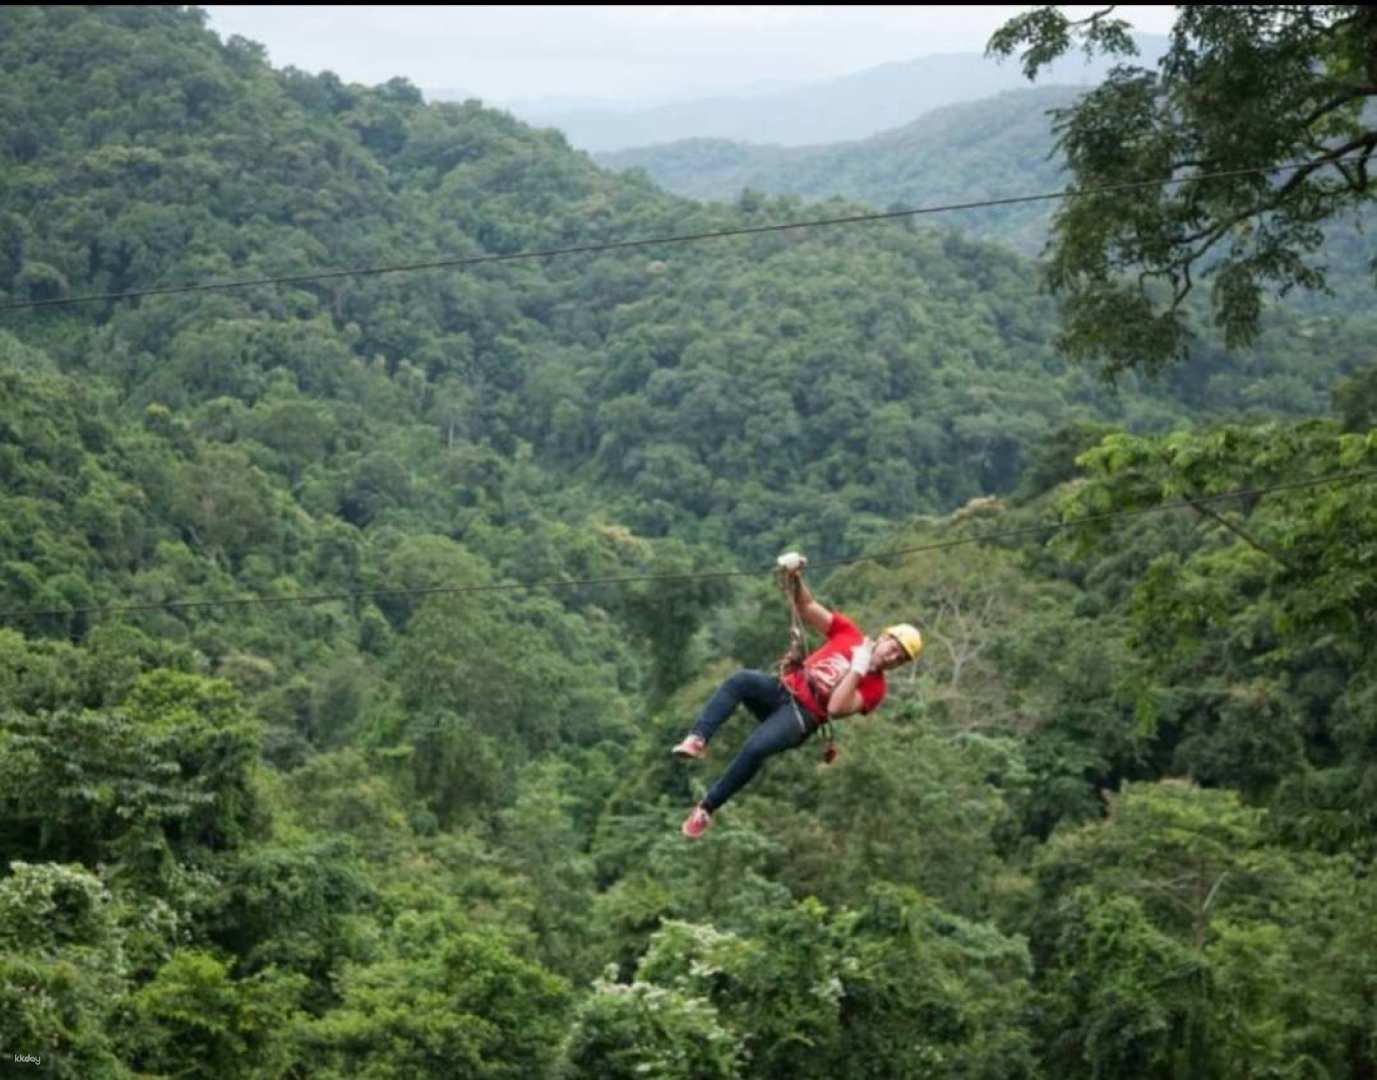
[(693, 746), (696, 824)]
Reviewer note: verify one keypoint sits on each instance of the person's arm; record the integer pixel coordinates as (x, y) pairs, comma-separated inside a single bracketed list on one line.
[(846, 696), (812, 613)]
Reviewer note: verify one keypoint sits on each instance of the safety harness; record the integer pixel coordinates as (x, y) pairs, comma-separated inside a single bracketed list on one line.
[(792, 661)]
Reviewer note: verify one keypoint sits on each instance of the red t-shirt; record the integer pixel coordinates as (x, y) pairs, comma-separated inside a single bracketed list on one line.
[(826, 667)]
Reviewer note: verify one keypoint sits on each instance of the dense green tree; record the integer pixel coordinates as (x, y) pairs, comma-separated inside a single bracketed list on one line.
[(896, 988), (1243, 88), (624, 1032), (1260, 656), (192, 1019), (445, 999), (539, 837), (1176, 941), (168, 776), (62, 970)]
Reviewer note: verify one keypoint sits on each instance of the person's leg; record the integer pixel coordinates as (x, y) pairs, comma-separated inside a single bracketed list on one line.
[(760, 693), (779, 731)]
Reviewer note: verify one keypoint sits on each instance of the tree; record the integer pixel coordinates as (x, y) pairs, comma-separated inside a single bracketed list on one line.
[(1175, 940), (193, 1020), (1243, 88), (903, 804), (223, 503), (444, 1000), (293, 907), (167, 776), (528, 673), (625, 1032), (544, 846), (894, 988), (62, 969), (1261, 671)]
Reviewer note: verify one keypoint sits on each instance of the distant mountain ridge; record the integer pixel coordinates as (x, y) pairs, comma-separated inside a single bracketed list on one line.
[(994, 148), (851, 107)]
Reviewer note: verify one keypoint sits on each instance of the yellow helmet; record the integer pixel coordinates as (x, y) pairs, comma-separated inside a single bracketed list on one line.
[(908, 637)]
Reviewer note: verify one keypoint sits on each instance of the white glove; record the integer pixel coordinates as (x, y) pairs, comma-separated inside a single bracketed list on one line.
[(860, 657), (791, 562)]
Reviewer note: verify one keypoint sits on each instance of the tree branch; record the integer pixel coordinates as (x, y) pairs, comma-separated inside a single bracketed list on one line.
[(1210, 235), (1358, 185), (1368, 141), (1090, 20), (1351, 93), (1213, 889), (1252, 541), (1180, 294)]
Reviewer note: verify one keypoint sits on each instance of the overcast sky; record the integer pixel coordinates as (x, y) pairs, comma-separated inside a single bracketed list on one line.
[(643, 54)]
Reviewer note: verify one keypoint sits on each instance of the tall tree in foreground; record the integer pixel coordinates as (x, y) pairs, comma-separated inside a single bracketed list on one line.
[(1286, 88)]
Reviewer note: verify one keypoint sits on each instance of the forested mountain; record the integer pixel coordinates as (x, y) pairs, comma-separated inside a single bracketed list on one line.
[(849, 107), (989, 149), (689, 385), (324, 791), (996, 148)]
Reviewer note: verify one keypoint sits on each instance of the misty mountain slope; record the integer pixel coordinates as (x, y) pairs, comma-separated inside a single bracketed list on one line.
[(851, 107), (990, 149), (1000, 147)]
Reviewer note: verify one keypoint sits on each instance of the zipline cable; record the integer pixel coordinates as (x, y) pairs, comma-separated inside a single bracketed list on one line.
[(618, 245), (566, 583)]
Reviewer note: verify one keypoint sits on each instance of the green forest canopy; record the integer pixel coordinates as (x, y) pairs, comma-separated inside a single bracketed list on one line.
[(434, 836)]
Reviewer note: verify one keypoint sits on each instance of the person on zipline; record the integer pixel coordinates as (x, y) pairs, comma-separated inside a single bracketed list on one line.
[(844, 676)]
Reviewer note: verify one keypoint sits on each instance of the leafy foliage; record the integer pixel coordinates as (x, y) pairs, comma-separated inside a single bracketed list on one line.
[(1242, 89), (289, 788), (442, 1001)]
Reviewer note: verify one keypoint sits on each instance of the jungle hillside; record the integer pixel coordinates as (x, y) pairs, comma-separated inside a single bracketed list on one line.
[(346, 623)]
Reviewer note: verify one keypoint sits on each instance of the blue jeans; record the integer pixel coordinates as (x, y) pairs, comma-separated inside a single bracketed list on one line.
[(781, 725)]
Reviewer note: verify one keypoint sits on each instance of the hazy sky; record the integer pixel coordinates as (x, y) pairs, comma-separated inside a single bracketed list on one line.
[(636, 53)]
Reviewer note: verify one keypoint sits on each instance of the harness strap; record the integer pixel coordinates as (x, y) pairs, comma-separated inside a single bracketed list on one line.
[(792, 661)]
